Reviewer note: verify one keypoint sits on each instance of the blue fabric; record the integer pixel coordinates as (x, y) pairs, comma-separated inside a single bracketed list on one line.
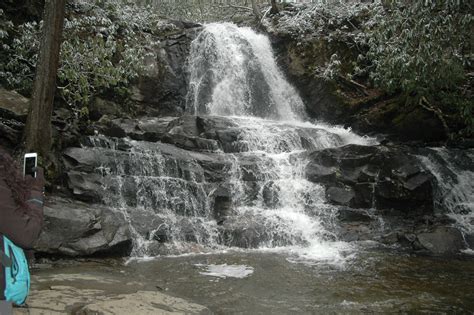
[(17, 276)]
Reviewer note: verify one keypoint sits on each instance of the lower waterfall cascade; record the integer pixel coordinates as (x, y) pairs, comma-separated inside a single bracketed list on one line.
[(233, 74)]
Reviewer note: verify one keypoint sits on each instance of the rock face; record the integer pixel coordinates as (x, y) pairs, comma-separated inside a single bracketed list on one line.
[(152, 168), (162, 84), (73, 228), (415, 197), (380, 177), (304, 59), (162, 89)]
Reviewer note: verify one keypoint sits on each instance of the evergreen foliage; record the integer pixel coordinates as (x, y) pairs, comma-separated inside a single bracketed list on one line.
[(423, 50), (104, 45), (420, 50)]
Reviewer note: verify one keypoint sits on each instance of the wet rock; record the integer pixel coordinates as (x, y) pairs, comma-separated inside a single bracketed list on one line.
[(310, 138), (373, 176), (441, 241), (252, 230), (215, 170), (185, 125), (228, 140), (94, 299), (158, 125), (148, 225), (209, 123), (320, 173), (74, 228), (222, 203), (390, 238), (161, 89), (191, 143), (270, 194), (191, 229), (469, 240), (243, 232), (364, 195), (351, 215), (144, 302), (351, 232), (340, 196), (407, 239), (88, 168)]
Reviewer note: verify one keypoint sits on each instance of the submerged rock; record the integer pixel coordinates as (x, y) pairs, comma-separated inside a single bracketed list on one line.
[(441, 241)]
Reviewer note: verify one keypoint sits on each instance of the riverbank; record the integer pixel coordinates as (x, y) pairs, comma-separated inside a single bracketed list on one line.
[(99, 287)]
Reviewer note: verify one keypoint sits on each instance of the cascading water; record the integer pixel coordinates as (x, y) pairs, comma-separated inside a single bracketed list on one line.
[(246, 186), (454, 173), (233, 73)]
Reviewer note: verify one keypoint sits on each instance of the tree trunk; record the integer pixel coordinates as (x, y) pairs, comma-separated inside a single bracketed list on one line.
[(38, 124), (255, 9), (274, 9)]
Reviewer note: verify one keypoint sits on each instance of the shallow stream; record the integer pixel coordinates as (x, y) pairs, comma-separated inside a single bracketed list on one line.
[(376, 280)]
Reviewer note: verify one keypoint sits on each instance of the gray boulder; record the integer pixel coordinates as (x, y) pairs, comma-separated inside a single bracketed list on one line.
[(441, 241), (74, 228), (13, 111)]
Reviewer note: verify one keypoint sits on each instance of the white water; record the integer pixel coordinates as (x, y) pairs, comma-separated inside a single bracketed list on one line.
[(455, 184), (162, 190), (226, 271), (233, 73)]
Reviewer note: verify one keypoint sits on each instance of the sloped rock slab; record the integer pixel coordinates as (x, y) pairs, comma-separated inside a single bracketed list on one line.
[(67, 299), (74, 228)]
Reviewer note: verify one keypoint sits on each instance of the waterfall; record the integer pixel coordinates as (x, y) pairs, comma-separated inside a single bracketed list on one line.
[(231, 175), (454, 173), (233, 73)]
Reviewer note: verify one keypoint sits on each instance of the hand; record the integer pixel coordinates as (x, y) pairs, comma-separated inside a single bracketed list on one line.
[(38, 182)]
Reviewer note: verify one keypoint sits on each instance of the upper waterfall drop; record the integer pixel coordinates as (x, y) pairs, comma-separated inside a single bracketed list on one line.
[(233, 73)]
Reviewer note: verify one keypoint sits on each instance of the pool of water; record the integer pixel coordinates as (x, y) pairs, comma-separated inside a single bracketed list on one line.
[(375, 280)]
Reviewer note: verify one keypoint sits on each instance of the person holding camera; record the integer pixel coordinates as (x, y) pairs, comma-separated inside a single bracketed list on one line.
[(21, 220)]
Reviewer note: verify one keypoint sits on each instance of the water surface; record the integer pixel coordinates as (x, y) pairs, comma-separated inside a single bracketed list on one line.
[(376, 280)]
